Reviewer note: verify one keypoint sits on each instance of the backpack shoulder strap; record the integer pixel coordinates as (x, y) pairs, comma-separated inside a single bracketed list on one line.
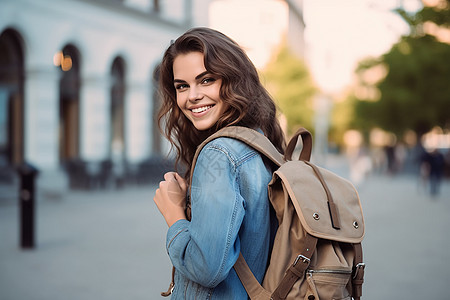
[(253, 288), (297, 270), (306, 137), (251, 137)]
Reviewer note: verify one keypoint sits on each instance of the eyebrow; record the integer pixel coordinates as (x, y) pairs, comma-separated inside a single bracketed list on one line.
[(196, 77)]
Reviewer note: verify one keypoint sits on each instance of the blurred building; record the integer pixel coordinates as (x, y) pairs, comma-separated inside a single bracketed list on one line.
[(77, 82), (296, 28), (259, 26)]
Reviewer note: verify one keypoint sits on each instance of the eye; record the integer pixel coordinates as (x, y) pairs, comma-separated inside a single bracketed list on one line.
[(181, 87), (208, 80)]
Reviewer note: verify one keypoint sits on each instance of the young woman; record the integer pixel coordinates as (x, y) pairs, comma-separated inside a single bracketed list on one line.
[(207, 83)]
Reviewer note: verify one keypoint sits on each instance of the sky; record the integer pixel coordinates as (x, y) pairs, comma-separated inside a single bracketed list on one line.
[(338, 33)]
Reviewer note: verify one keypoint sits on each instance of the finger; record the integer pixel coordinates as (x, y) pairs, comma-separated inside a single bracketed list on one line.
[(170, 176), (157, 195), (181, 181), (163, 185)]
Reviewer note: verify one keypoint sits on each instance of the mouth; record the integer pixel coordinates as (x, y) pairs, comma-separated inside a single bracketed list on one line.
[(201, 109)]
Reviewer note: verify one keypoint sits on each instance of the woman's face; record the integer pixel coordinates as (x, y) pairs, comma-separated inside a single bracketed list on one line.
[(197, 91)]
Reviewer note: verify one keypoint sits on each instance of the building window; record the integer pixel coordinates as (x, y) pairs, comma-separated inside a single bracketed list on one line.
[(117, 144), (11, 99)]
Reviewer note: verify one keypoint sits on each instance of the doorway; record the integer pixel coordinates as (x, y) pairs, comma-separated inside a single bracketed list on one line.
[(68, 61)]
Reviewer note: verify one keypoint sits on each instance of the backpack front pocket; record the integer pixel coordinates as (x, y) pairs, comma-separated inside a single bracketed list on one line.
[(326, 284)]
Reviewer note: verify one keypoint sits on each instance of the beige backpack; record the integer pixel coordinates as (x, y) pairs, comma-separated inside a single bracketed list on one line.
[(317, 250)]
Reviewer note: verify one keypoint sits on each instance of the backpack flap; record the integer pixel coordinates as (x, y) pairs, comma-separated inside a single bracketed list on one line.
[(311, 202)]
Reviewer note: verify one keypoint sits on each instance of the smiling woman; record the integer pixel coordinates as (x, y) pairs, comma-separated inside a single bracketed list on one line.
[(208, 83), (198, 92), (218, 62)]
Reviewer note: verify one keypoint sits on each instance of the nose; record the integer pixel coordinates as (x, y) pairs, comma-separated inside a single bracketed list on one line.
[(194, 94)]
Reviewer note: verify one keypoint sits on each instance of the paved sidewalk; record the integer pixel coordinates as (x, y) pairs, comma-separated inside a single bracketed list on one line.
[(99, 245), (109, 245), (407, 242)]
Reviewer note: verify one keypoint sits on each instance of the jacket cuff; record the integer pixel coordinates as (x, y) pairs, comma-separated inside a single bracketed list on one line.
[(174, 230)]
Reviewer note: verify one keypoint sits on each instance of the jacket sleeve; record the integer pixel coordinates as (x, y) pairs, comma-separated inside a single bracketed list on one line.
[(206, 248)]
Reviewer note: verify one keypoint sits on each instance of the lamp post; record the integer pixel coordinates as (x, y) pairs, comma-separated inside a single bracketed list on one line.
[(27, 201)]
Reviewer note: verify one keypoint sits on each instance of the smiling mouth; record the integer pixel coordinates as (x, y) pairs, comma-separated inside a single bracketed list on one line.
[(201, 109)]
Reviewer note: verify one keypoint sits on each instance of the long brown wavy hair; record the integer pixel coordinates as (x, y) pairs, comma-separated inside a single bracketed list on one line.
[(249, 103)]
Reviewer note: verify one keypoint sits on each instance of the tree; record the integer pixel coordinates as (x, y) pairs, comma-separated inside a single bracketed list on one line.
[(288, 80), (415, 93)]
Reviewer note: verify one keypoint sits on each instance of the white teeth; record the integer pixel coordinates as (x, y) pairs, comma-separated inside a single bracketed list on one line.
[(201, 109)]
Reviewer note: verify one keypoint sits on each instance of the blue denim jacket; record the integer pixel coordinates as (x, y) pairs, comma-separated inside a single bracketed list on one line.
[(230, 213)]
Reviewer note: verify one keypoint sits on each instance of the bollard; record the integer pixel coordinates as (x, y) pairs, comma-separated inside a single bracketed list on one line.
[(27, 175)]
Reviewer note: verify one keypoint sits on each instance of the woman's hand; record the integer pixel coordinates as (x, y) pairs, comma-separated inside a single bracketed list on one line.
[(170, 197)]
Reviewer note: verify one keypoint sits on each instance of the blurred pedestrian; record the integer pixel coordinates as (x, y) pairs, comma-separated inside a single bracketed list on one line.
[(207, 83), (391, 159), (433, 162)]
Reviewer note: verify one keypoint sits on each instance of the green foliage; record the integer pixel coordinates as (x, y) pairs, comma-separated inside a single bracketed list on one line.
[(288, 80), (415, 94), (342, 119), (439, 15)]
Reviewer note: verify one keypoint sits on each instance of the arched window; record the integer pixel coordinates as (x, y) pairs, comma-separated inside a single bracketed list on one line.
[(68, 60), (11, 98), (117, 143)]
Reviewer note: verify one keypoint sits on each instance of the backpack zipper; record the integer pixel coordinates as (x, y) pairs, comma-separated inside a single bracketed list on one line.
[(328, 271)]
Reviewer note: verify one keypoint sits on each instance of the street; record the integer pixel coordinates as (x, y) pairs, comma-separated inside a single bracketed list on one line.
[(110, 245)]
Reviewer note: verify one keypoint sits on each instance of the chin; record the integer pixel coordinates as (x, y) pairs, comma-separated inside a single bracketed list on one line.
[(203, 128)]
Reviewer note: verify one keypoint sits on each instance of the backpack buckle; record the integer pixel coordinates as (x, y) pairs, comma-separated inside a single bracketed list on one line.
[(359, 266), (302, 258)]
